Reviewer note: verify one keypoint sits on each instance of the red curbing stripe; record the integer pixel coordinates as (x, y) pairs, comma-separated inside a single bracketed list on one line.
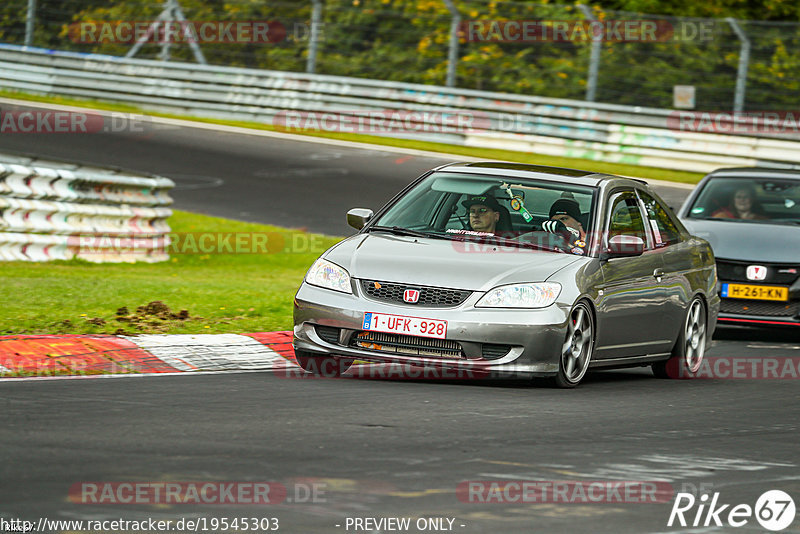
[(280, 342), (72, 354), (78, 355)]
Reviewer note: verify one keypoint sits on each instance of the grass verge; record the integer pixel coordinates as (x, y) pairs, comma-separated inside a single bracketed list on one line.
[(485, 153), (220, 292)]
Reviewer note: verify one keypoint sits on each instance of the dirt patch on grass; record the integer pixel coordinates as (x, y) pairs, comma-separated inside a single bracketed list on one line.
[(152, 318)]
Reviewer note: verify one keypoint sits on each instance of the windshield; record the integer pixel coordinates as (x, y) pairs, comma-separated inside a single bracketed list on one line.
[(750, 200), (451, 205)]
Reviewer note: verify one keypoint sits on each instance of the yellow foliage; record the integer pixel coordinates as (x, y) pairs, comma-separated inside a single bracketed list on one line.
[(424, 44)]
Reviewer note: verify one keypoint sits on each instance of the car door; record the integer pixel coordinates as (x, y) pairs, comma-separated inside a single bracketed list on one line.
[(631, 301), (682, 262)]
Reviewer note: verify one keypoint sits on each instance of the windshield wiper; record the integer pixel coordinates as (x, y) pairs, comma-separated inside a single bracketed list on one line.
[(399, 230)]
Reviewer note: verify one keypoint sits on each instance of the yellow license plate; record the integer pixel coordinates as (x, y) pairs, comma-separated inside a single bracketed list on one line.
[(745, 291)]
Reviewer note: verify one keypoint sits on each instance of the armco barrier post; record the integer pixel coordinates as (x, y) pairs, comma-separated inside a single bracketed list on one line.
[(594, 58), (29, 21), (452, 54), (313, 41), (741, 71)]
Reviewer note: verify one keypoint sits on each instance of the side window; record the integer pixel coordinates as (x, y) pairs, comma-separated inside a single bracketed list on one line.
[(625, 218), (665, 232)]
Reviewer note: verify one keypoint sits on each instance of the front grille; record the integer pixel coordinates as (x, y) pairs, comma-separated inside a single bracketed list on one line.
[(495, 352), (407, 345), (736, 271), (430, 297), (328, 333), (756, 307)]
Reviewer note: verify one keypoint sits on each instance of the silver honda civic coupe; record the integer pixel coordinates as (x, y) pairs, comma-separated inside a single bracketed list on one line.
[(512, 270)]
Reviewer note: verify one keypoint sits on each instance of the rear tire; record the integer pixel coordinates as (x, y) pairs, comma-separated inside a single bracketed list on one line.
[(326, 366), (689, 349)]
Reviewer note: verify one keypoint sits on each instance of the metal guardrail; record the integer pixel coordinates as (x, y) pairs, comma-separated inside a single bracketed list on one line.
[(51, 210), (558, 127)]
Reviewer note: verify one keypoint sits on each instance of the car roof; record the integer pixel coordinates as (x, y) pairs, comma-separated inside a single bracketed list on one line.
[(539, 172), (756, 172)]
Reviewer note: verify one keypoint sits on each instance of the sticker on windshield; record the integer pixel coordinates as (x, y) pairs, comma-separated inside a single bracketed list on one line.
[(467, 232), (656, 232)]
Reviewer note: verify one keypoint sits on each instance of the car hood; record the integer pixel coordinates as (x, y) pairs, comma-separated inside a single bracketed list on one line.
[(444, 263), (733, 240)]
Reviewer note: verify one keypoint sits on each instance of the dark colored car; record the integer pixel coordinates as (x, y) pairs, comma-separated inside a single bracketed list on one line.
[(751, 217), (625, 285)]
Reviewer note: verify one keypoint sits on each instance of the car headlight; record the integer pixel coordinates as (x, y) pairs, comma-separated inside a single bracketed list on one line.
[(539, 295), (329, 275)]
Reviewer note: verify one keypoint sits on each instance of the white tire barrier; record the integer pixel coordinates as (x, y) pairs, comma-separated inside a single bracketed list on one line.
[(53, 213)]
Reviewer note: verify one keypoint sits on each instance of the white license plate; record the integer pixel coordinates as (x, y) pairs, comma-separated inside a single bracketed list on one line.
[(402, 324)]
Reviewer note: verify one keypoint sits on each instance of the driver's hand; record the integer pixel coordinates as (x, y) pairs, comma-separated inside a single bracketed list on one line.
[(559, 228), (570, 235)]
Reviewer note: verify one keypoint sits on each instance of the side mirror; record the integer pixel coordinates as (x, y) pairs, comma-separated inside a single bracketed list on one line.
[(359, 217), (622, 246)]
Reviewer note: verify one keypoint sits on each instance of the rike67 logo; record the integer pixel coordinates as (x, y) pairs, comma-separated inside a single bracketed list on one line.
[(774, 510)]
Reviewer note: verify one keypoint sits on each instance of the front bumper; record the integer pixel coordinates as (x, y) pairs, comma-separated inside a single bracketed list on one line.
[(755, 320), (535, 336), (758, 312)]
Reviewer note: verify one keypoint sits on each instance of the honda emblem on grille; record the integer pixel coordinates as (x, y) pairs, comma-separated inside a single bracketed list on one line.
[(756, 272), (411, 296)]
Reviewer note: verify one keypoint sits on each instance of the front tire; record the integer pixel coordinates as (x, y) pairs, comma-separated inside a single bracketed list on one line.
[(687, 354), (325, 366), (578, 347)]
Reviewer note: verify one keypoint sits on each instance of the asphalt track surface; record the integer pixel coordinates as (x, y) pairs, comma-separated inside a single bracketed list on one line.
[(379, 448)]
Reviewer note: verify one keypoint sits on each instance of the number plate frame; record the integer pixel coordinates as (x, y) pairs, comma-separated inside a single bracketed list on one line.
[(404, 325), (754, 292)]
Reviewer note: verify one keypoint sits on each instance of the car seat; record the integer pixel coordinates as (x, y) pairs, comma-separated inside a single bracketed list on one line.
[(504, 222)]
